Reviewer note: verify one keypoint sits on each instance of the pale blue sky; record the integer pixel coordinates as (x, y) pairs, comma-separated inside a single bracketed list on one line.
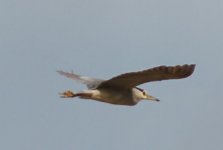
[(102, 38)]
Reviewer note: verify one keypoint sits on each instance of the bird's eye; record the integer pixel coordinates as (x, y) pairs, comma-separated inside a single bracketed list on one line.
[(144, 93)]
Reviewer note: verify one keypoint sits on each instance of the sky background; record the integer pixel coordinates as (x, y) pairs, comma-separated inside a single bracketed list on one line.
[(103, 38)]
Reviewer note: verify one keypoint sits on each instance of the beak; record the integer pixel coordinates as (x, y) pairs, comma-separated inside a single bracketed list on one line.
[(149, 97)]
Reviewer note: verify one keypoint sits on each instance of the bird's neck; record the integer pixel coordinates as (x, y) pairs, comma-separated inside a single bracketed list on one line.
[(136, 95)]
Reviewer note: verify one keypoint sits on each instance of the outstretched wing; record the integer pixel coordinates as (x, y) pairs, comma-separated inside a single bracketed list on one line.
[(91, 83), (132, 79)]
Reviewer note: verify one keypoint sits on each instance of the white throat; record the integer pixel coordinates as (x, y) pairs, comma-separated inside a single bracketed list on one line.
[(136, 95)]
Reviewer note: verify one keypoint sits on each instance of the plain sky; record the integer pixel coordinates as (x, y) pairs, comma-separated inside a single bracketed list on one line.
[(103, 38)]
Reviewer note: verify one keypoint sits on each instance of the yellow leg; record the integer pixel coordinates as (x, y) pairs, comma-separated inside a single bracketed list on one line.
[(67, 94)]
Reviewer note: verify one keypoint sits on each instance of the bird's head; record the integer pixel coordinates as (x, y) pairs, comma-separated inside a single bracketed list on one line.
[(143, 94)]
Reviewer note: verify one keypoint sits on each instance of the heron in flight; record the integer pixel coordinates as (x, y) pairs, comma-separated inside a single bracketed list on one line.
[(122, 89)]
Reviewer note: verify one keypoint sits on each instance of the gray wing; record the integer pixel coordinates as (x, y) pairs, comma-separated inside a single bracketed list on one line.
[(91, 83), (132, 79)]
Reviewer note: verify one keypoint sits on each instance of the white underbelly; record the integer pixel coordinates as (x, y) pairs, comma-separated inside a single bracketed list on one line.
[(114, 97)]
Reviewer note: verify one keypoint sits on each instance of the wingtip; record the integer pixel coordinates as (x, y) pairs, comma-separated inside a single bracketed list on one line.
[(189, 69), (62, 72), (59, 71), (192, 66)]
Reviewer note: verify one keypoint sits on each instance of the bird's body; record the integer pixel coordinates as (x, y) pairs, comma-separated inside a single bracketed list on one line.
[(109, 96), (122, 90), (126, 97)]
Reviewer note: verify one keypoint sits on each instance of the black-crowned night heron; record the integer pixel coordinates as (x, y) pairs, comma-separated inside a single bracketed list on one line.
[(122, 90)]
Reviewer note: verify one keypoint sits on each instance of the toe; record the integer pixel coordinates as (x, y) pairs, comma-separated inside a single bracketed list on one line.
[(67, 94)]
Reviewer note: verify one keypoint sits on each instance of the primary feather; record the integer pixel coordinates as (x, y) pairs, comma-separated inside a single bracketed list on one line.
[(91, 83), (132, 79)]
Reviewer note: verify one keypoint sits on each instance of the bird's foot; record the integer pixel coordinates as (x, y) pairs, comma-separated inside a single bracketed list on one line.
[(67, 94)]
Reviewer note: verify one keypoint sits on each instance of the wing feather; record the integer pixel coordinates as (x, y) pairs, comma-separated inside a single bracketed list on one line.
[(91, 83), (132, 79)]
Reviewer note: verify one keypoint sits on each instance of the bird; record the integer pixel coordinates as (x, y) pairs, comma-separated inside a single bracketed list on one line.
[(123, 89)]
